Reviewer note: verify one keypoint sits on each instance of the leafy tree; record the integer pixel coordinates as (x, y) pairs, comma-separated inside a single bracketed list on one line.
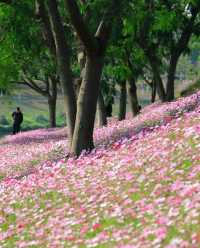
[(27, 60), (163, 30), (95, 44)]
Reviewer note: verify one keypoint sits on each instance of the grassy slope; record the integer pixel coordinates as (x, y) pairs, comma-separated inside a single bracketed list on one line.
[(141, 189), (32, 106)]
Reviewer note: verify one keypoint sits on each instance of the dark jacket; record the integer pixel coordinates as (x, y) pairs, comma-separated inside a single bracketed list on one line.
[(17, 117)]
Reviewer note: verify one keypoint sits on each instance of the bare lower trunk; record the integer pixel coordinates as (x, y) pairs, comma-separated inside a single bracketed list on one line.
[(52, 112), (109, 109), (132, 96), (158, 80), (153, 92), (63, 64), (69, 99), (159, 86), (101, 111), (122, 102), (52, 98), (86, 106), (77, 85), (170, 79)]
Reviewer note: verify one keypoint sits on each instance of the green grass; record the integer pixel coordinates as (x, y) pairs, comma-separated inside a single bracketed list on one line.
[(32, 106)]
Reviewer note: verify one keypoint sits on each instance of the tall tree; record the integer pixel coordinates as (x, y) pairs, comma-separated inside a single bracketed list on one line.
[(95, 46), (63, 57)]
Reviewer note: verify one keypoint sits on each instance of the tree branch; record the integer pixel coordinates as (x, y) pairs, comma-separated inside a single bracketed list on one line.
[(105, 26), (80, 26), (33, 85), (6, 1), (147, 81), (42, 15), (186, 34)]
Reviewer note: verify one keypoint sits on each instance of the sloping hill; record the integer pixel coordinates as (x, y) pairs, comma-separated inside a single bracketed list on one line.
[(139, 188), (191, 89)]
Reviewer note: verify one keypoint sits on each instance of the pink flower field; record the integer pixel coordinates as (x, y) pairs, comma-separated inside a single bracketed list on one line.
[(140, 187)]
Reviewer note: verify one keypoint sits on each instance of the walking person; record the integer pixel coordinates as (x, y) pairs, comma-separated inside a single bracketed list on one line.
[(18, 119)]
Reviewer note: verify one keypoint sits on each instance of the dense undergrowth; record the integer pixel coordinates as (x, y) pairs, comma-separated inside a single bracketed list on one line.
[(140, 187)]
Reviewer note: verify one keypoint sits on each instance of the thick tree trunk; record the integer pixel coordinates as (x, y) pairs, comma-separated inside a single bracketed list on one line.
[(63, 64), (101, 111), (86, 106), (77, 85), (95, 47), (52, 98), (52, 111), (109, 109), (170, 79), (153, 92), (156, 75), (158, 81), (132, 96), (122, 101)]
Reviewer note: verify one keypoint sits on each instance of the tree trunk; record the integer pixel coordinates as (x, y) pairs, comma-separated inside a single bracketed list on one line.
[(63, 64), (158, 81), (86, 106), (156, 74), (101, 110), (52, 111), (153, 92), (77, 85), (122, 103), (171, 78), (109, 108), (52, 98), (132, 96)]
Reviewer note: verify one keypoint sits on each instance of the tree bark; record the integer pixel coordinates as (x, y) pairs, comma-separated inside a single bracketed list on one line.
[(158, 81), (94, 46), (63, 64), (153, 92), (101, 111), (170, 79), (52, 111), (132, 96), (52, 98), (155, 64), (86, 106), (42, 16), (122, 101), (77, 85), (109, 108)]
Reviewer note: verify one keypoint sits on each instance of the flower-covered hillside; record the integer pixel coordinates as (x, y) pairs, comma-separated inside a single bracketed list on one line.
[(139, 188), (21, 153)]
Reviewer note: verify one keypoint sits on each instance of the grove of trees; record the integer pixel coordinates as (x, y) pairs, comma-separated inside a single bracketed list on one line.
[(88, 48)]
